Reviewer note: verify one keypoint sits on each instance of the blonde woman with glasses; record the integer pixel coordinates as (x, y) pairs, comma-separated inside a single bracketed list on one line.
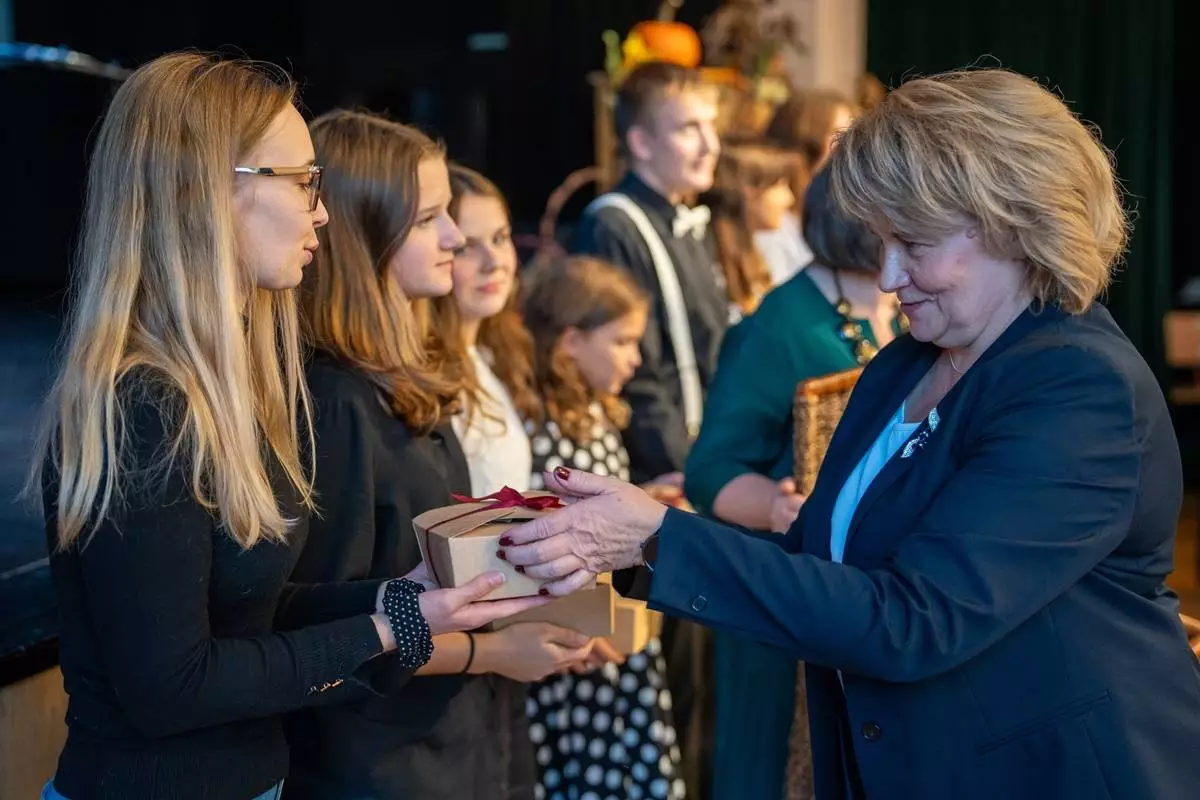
[(172, 461)]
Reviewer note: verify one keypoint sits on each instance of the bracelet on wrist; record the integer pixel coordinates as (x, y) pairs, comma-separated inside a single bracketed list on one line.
[(470, 653), (414, 642)]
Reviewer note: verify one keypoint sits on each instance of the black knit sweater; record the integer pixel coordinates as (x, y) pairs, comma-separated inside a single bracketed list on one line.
[(180, 649)]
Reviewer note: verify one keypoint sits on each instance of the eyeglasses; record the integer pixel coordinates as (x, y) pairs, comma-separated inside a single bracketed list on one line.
[(313, 187)]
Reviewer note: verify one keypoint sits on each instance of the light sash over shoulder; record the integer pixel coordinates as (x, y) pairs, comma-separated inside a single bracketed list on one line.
[(678, 328)]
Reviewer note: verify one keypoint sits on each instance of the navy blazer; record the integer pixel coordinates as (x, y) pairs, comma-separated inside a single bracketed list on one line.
[(1000, 621)]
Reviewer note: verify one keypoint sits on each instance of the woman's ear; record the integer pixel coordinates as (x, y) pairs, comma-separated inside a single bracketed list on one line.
[(571, 342)]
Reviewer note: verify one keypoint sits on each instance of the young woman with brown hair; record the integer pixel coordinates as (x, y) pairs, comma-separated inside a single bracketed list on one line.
[(807, 125), (478, 323), (385, 452)]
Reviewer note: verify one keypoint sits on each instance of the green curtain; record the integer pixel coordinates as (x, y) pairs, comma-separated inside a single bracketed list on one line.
[(1112, 60)]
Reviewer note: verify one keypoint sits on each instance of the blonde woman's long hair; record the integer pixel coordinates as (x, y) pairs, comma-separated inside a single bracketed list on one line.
[(158, 285), (353, 307)]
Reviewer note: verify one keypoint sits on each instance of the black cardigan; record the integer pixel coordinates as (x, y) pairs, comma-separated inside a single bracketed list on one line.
[(171, 648), (420, 737)]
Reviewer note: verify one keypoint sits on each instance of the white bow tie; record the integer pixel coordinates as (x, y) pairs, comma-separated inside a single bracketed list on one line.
[(691, 220)]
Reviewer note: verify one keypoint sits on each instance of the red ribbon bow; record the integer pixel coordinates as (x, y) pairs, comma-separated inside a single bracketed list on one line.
[(509, 497)]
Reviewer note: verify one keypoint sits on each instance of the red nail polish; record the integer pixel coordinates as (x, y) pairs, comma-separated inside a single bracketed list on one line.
[(562, 473), (544, 592), (520, 569), (501, 556), (506, 541)]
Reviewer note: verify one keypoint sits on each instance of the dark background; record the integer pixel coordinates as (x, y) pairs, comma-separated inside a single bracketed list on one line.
[(523, 115)]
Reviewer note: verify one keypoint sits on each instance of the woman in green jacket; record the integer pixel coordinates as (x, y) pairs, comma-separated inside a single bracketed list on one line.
[(828, 318)]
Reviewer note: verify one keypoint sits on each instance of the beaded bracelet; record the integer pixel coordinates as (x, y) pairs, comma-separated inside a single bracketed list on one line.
[(414, 643)]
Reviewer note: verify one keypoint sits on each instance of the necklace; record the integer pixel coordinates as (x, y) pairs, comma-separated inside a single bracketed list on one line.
[(850, 330), (954, 366)]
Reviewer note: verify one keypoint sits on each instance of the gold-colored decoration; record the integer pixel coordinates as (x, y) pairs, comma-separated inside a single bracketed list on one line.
[(818, 408)]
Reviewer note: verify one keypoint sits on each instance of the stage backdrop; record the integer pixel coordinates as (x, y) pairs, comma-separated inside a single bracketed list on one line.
[(1112, 60)]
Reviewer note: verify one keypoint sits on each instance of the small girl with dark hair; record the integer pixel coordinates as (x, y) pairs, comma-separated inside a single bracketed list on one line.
[(752, 196), (586, 318), (607, 731)]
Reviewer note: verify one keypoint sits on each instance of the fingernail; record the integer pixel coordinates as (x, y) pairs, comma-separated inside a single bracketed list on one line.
[(520, 569), (562, 473), (505, 541), (544, 592), (500, 555)]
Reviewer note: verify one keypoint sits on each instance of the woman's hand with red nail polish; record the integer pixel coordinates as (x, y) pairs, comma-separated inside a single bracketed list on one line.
[(601, 529)]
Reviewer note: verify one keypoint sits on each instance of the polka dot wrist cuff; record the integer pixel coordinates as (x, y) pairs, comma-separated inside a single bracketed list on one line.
[(414, 643)]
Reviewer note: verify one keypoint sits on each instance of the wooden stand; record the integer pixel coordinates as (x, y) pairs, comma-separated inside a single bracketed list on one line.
[(819, 405), (33, 730), (607, 150)]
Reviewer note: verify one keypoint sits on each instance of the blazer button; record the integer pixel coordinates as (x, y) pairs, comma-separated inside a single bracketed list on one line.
[(699, 602), (871, 731)]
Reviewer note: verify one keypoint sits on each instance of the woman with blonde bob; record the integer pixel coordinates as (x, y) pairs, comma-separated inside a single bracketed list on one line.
[(976, 582), (176, 491), (456, 725)]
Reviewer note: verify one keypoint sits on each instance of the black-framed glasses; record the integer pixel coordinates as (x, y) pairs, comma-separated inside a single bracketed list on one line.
[(313, 187)]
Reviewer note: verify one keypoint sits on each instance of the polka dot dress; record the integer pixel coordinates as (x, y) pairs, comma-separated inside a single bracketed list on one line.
[(607, 735), (603, 455)]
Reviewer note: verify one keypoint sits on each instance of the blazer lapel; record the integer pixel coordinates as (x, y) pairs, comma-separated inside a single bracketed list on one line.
[(883, 390), (898, 464), (891, 472)]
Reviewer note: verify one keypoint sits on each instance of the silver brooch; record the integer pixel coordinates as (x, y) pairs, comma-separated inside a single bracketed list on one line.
[(917, 442)]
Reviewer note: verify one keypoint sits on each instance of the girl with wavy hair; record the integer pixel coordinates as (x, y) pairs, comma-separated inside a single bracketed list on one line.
[(480, 325), (587, 318), (172, 459)]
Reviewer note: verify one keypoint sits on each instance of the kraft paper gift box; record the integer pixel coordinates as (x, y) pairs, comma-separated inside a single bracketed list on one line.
[(587, 611), (634, 623), (460, 542), (634, 626)]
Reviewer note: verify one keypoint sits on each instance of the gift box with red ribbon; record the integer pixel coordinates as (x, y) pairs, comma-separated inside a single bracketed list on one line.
[(461, 541), (634, 624), (587, 611)]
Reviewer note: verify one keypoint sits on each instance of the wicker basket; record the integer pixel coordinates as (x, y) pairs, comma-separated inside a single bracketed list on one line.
[(818, 408)]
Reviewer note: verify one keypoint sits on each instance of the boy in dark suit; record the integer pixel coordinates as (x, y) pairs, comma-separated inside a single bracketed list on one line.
[(665, 119)]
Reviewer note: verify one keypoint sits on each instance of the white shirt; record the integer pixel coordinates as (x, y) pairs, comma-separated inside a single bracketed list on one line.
[(895, 433), (784, 249), (495, 444)]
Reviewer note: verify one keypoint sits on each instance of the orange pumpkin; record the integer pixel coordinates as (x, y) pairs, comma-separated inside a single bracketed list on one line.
[(673, 42)]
